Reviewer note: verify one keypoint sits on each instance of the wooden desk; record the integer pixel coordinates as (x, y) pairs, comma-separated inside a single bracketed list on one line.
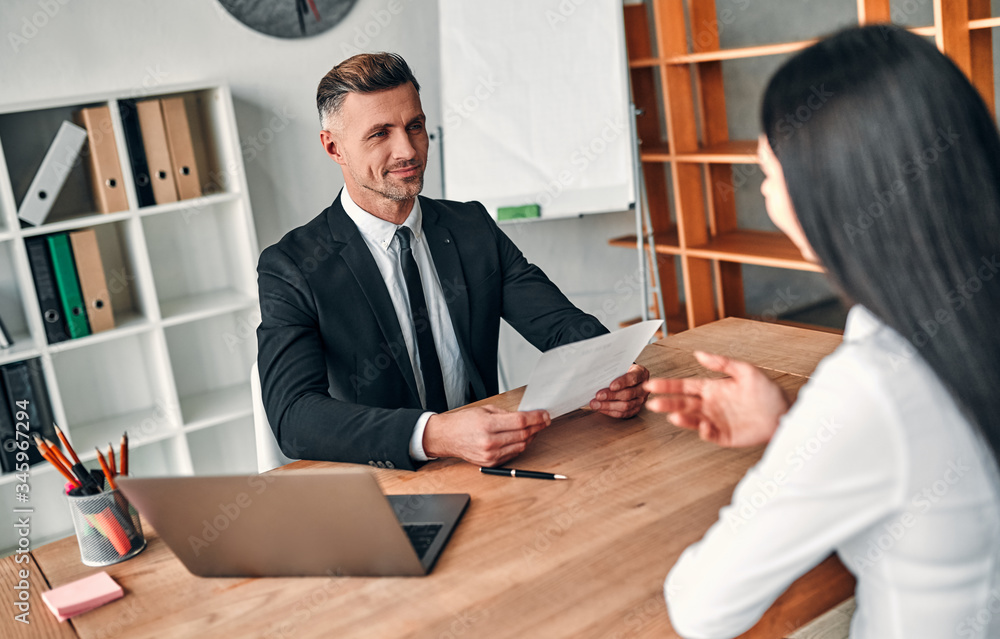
[(579, 558)]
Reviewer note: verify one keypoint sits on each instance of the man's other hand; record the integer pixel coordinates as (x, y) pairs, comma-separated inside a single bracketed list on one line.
[(482, 435), (624, 397)]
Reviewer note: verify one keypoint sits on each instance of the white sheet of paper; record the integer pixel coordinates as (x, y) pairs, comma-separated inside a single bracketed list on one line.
[(567, 377)]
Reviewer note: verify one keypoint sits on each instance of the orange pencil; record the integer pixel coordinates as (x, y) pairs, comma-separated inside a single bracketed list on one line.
[(58, 454), (65, 442), (111, 460), (44, 450), (123, 455), (104, 467)]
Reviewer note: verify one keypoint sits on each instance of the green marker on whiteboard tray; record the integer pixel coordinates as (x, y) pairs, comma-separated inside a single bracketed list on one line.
[(518, 212)]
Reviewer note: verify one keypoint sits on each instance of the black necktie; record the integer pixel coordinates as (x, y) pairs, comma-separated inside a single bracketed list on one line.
[(433, 379)]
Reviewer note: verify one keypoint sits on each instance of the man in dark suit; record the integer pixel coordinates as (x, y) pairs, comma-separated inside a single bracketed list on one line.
[(384, 311)]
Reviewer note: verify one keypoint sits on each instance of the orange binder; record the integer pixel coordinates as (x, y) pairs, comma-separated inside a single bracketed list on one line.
[(102, 159), (175, 120), (154, 141), (90, 270)]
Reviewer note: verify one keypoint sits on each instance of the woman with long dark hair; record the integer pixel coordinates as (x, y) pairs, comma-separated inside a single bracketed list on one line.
[(882, 163)]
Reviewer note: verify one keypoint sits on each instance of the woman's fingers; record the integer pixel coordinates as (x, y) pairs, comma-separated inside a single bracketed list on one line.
[(685, 420), (674, 403), (721, 364), (663, 385)]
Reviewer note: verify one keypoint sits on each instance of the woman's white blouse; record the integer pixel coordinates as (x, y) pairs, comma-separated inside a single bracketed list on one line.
[(873, 461)]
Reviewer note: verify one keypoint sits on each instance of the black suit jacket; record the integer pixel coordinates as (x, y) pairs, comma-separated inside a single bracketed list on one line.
[(336, 377)]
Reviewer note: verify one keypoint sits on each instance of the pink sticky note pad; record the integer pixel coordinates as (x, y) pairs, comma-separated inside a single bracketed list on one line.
[(82, 595)]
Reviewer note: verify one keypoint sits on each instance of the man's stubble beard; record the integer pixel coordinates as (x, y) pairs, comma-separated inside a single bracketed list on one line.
[(411, 187)]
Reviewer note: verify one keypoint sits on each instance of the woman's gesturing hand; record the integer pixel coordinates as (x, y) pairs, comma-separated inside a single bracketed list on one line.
[(741, 410)]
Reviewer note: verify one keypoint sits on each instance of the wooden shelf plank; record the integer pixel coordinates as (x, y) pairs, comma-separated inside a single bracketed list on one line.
[(644, 63), (777, 48), (982, 23), (728, 152), (763, 248), (667, 242), (740, 53), (655, 152)]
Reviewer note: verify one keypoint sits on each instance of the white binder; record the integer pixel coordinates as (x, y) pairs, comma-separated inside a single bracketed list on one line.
[(51, 176)]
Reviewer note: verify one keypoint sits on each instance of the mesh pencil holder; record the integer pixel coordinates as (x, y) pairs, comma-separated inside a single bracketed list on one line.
[(107, 528)]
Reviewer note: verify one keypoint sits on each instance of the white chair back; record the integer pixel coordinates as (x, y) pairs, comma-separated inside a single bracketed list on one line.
[(269, 454)]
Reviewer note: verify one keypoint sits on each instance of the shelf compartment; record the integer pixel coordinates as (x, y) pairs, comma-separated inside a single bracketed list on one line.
[(13, 301), (116, 386), (227, 449), (192, 256), (120, 261), (212, 407), (204, 305), (764, 248), (215, 152), (26, 137), (143, 426), (215, 356), (159, 458)]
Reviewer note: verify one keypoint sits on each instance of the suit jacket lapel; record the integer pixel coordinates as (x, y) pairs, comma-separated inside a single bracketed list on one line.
[(449, 268), (358, 258)]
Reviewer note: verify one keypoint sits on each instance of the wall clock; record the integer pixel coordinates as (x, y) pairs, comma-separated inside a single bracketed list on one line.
[(289, 18)]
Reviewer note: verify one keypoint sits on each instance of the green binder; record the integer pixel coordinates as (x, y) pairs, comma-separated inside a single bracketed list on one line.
[(69, 285)]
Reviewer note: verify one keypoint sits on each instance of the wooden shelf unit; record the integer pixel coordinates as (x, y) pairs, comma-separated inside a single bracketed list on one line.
[(175, 370), (677, 83)]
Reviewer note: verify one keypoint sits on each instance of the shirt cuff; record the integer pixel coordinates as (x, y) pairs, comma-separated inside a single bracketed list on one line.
[(417, 440)]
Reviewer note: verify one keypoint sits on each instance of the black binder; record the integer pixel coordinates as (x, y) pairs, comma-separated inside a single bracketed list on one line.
[(8, 438), (25, 381), (136, 152), (45, 287)]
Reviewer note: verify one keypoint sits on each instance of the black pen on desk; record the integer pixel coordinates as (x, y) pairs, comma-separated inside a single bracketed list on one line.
[(513, 472)]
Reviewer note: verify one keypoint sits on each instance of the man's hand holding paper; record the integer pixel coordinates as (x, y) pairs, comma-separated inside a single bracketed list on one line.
[(589, 373)]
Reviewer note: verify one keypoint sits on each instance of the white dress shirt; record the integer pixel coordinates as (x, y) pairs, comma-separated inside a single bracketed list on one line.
[(380, 236), (876, 462)]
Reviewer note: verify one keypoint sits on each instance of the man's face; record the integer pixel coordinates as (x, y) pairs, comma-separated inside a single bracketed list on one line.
[(380, 141)]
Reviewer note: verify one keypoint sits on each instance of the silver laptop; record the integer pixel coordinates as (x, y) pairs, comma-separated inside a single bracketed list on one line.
[(297, 523)]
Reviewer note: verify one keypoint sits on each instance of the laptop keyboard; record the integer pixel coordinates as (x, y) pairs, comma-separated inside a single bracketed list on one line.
[(421, 536)]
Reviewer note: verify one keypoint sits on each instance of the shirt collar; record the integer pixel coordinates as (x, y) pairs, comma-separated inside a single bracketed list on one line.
[(861, 323), (376, 230)]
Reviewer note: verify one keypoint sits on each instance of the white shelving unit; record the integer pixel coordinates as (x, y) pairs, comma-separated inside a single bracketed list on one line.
[(175, 371)]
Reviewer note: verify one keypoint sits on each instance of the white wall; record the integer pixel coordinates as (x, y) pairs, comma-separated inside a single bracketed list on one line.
[(86, 47)]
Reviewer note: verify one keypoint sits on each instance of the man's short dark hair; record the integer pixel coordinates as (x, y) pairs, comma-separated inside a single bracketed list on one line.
[(362, 73)]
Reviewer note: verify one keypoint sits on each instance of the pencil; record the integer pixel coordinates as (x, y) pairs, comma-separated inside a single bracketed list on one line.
[(44, 450), (111, 460), (123, 455), (58, 454), (65, 442), (104, 467)]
